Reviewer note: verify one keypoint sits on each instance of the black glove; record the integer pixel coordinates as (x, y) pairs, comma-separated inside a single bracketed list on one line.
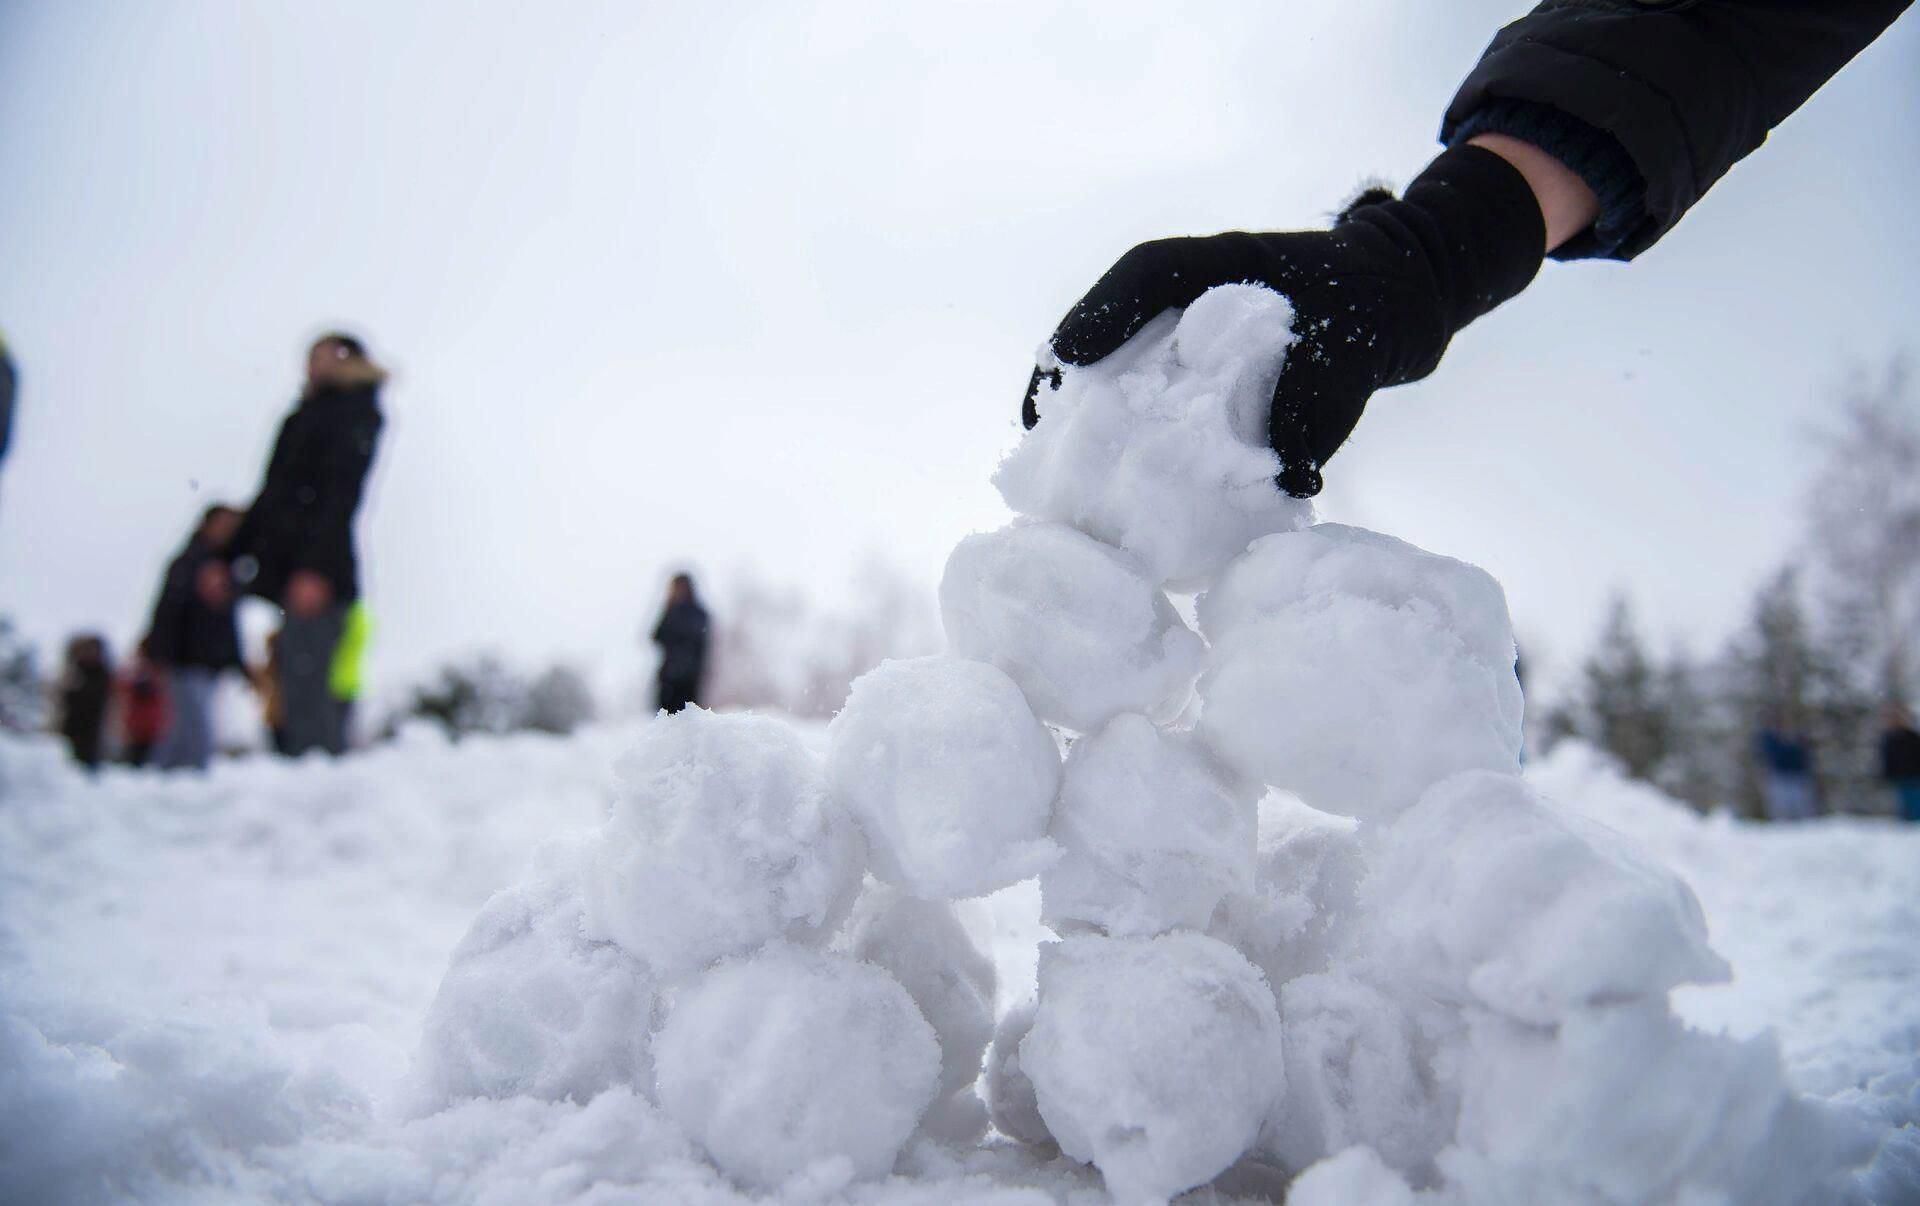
[(1375, 299)]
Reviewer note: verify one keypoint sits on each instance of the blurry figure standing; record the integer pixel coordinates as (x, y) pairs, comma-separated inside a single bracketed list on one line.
[(296, 548), (1900, 760), (9, 385), (194, 638), (682, 637), (1786, 772), (145, 708), (86, 680)]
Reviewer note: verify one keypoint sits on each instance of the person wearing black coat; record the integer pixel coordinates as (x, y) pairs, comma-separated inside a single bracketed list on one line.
[(9, 385), (86, 687), (682, 637), (193, 638), (1587, 129), (1900, 760), (296, 547)]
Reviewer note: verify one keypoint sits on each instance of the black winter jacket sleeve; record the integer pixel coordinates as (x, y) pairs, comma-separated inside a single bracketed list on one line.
[(1686, 88)]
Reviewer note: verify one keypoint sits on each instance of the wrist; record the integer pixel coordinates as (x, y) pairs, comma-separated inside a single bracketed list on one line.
[(1568, 205)]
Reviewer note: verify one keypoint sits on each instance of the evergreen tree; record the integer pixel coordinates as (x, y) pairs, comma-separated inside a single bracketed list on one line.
[(1622, 705)]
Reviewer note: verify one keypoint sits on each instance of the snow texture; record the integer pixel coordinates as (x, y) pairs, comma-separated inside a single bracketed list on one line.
[(923, 946), (530, 1006), (949, 773), (1366, 1067), (1534, 915), (1161, 449), (1011, 1102), (1154, 1059), (722, 838), (1355, 1177), (1077, 624), (1305, 898), (790, 1058), (1156, 832), (1357, 671)]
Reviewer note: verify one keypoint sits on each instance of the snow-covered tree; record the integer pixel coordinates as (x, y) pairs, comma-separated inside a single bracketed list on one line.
[(558, 701)]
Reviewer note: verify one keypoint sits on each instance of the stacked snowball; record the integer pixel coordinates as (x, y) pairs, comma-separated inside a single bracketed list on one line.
[(1307, 908), (711, 945)]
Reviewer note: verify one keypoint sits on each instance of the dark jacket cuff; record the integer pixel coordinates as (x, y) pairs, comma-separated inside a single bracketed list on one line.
[(1593, 155)]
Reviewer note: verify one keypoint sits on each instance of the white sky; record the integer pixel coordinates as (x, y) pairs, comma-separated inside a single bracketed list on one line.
[(757, 285)]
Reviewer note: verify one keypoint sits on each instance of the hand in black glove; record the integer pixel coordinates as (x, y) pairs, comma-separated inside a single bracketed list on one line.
[(1375, 299)]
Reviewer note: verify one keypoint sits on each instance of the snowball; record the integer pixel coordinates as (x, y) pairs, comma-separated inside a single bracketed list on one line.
[(1530, 912), (923, 946), (1362, 1068), (1626, 1104), (790, 1057), (1355, 1177), (530, 1006), (722, 838), (1162, 448), (1010, 1101), (1155, 1059), (1076, 623), (949, 774), (1335, 561), (1305, 895), (1358, 670), (1356, 707), (1156, 831)]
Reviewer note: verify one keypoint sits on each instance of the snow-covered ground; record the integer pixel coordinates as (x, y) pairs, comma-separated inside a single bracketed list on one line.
[(1317, 934), (214, 986)]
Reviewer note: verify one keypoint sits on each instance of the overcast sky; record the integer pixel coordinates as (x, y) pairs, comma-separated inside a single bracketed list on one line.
[(755, 286)]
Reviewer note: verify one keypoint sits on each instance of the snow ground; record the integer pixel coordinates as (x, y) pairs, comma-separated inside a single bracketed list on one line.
[(211, 988)]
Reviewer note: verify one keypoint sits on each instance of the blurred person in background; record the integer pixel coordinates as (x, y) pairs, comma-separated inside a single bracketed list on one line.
[(81, 697), (1587, 130), (295, 547), (682, 637), (9, 386), (1900, 759), (1786, 769), (344, 675), (194, 637), (145, 707)]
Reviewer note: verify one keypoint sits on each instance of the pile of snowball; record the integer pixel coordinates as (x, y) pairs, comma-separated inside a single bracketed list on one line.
[(1307, 911)]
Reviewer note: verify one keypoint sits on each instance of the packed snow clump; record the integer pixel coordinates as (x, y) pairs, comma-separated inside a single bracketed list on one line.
[(1627, 1104), (1365, 1065), (1155, 1059), (1532, 913), (722, 838), (1077, 624), (530, 1006), (923, 946), (1305, 896), (1156, 833), (1161, 449), (949, 774), (1357, 671), (782, 1060), (1355, 1177), (1011, 1102)]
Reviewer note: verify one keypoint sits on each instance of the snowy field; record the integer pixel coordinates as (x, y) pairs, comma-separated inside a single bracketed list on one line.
[(214, 987), (715, 958)]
